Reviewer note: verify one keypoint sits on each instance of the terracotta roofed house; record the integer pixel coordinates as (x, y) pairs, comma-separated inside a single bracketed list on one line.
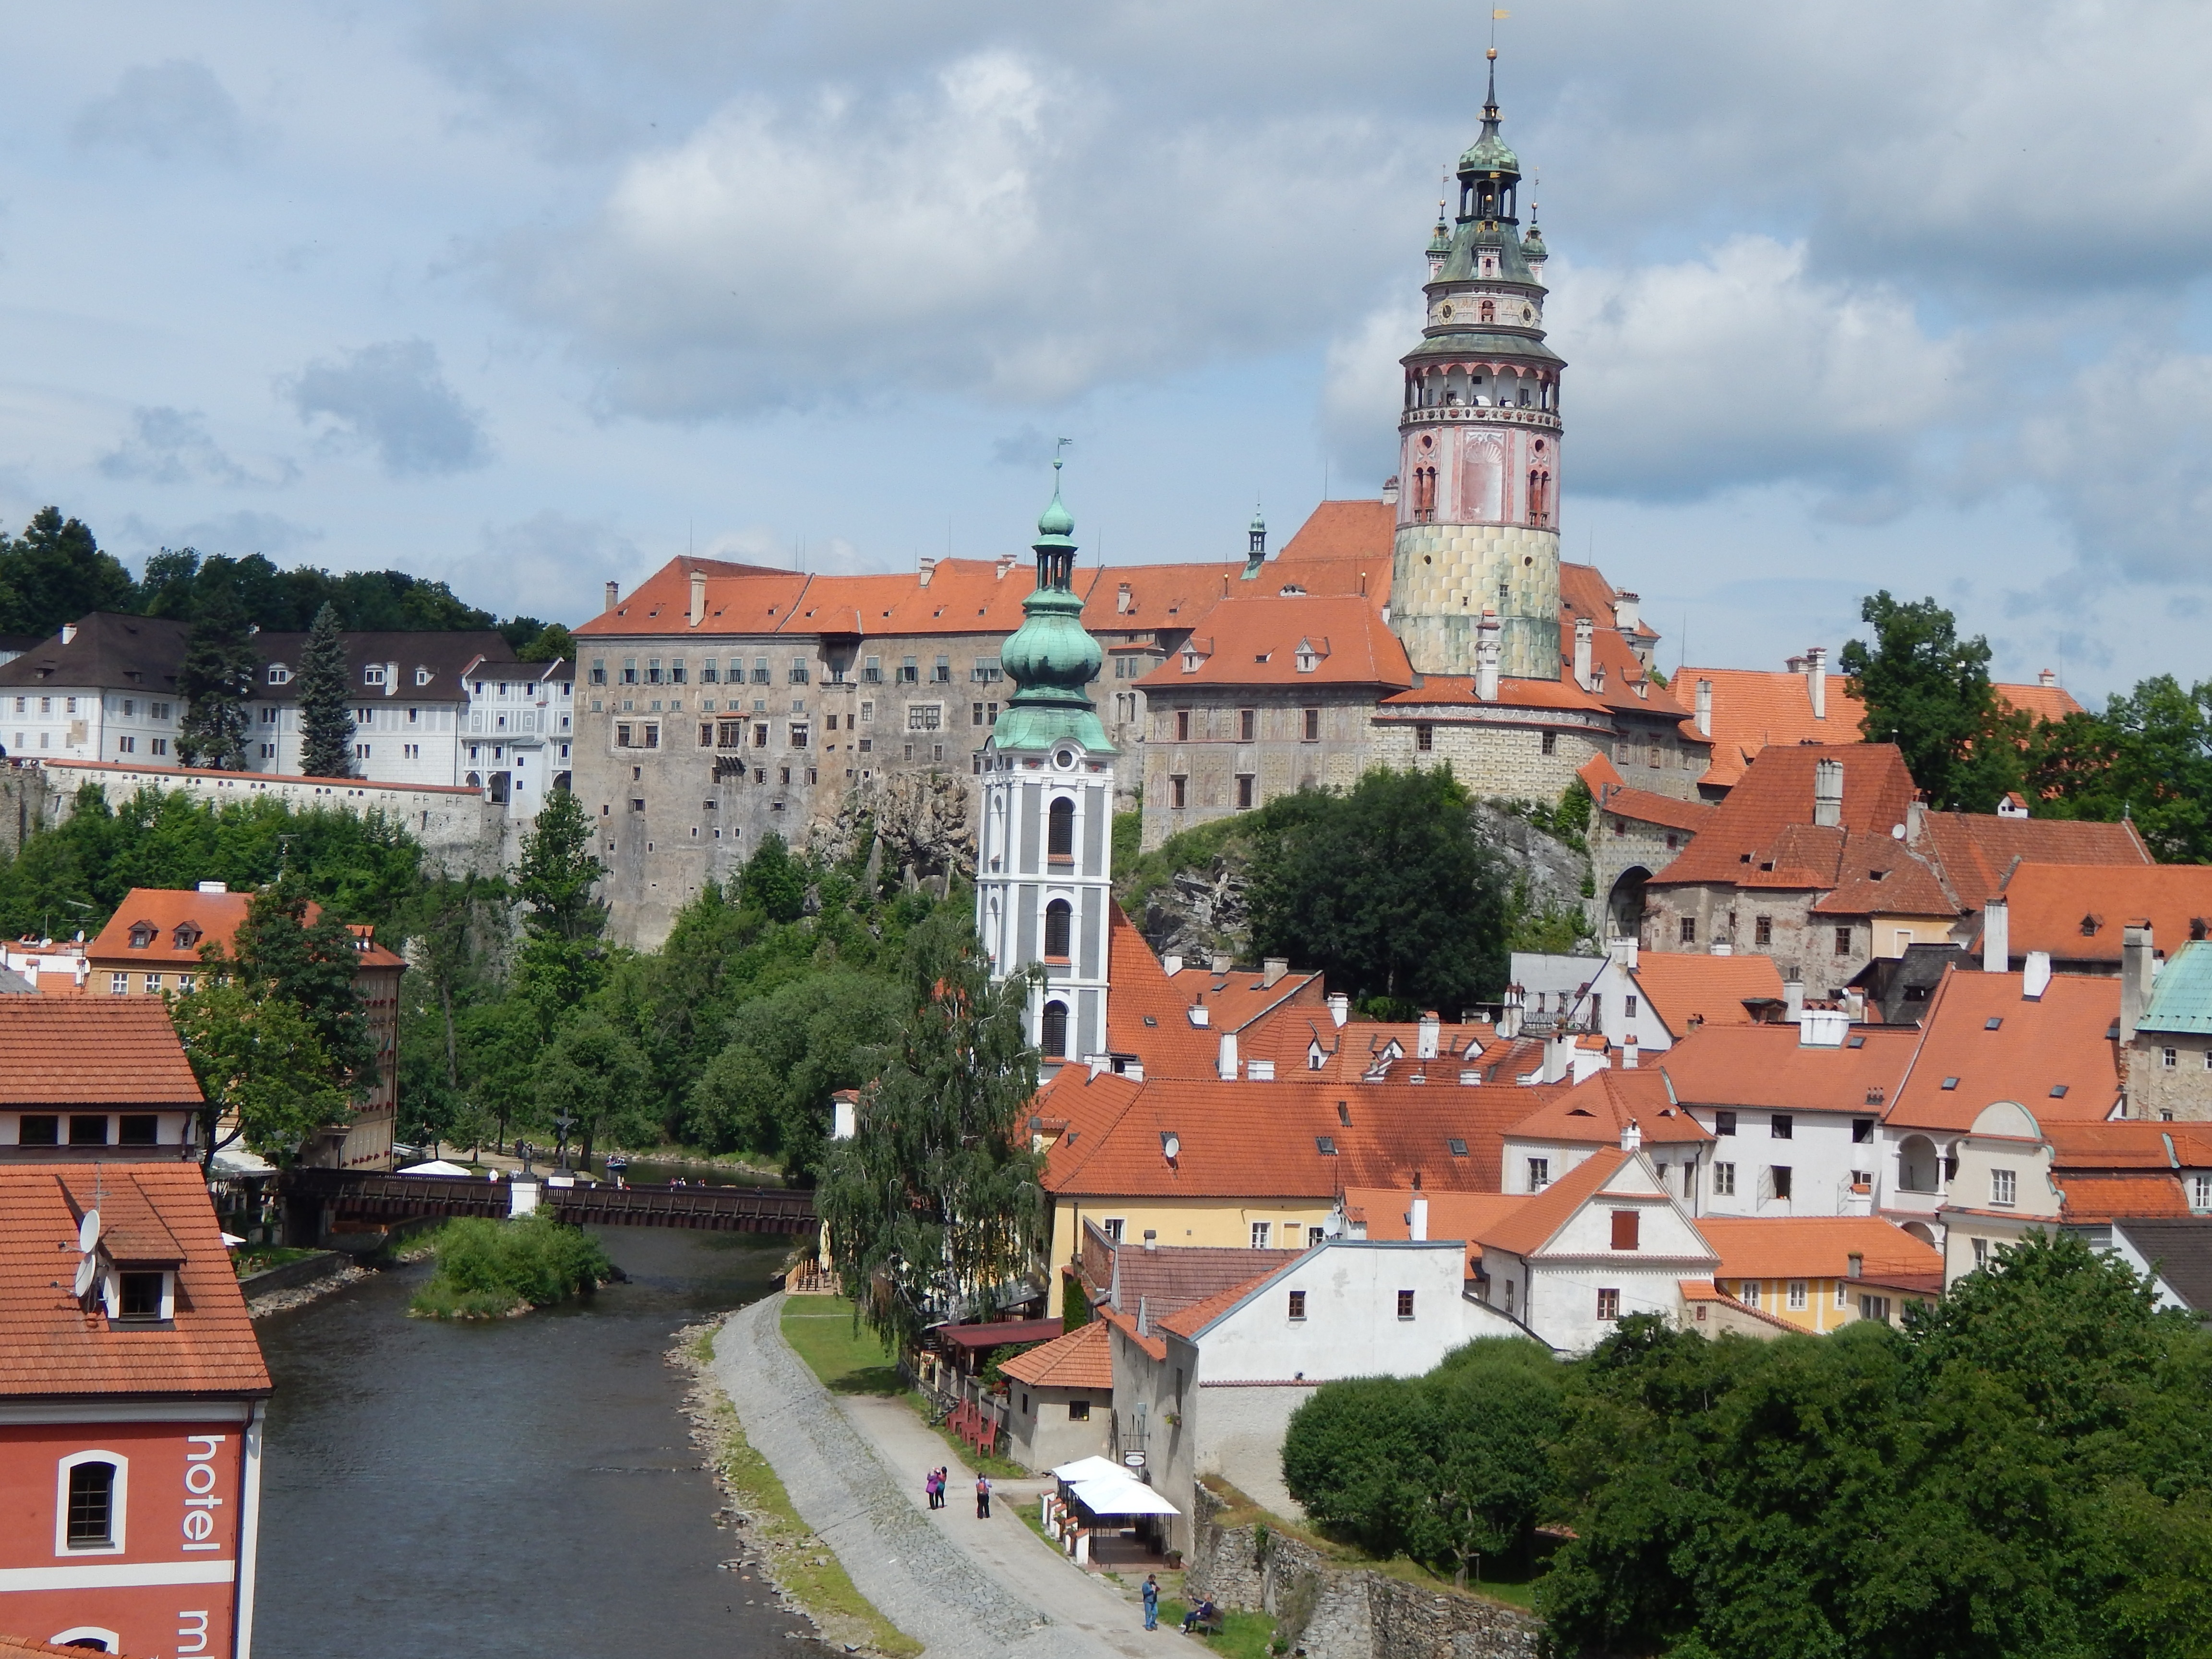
[(1060, 1399), (1601, 1112), (1819, 1274), (85, 1076), (2078, 914)]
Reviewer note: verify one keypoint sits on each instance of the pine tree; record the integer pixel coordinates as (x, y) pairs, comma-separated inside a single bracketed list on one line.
[(325, 721), (215, 681)]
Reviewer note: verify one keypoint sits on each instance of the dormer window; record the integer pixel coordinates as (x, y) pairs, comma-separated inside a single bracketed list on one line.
[(279, 675), (1190, 662), (142, 1296), (422, 677), (1308, 657), (186, 936), (373, 675), (143, 934)]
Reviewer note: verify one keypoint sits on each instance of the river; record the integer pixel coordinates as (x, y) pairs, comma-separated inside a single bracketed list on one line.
[(520, 1486)]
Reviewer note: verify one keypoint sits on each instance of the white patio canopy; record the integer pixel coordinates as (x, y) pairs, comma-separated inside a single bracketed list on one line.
[(1121, 1496)]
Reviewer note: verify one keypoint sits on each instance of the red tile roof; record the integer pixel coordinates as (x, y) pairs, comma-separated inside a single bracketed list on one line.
[(1358, 1050), (1263, 1139), (1762, 833), (1820, 1248), (1146, 1016), (1681, 986), (1457, 692), (91, 1051), (1463, 1216), (1237, 998), (2118, 1197), (1189, 1321), (2062, 1040), (1600, 1109), (1976, 851), (1151, 1342), (1081, 1359), (24, 1645), (2130, 1144), (1258, 641), (2079, 912), (1642, 806), (1165, 1277), (1535, 1221), (209, 918), (1346, 530), (50, 1346), (1766, 1066)]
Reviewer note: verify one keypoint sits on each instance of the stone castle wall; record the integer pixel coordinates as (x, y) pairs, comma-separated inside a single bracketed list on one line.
[(1443, 574)]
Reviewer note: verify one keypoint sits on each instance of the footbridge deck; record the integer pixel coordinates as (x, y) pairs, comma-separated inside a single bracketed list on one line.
[(350, 1195)]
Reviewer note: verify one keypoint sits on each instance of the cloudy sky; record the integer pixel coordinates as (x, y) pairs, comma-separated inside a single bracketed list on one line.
[(531, 294)]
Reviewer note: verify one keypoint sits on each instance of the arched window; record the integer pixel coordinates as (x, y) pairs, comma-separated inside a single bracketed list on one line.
[(1489, 312), (90, 1637), (1060, 840), (1057, 916), (1055, 1043), (90, 1503)]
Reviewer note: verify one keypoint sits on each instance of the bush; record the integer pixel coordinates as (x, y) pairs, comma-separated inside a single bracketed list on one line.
[(490, 1268)]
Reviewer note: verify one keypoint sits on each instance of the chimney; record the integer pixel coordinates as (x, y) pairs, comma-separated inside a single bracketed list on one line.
[(2135, 956), (1827, 793), (1339, 1007), (1558, 1056), (1274, 968), (929, 569), (1795, 664), (1228, 1067), (1508, 1013), (1390, 491), (614, 594), (1628, 1055), (1793, 999), (1627, 613), (1224, 962), (1631, 1137), (698, 597), (1124, 601), (1816, 679), (1916, 819), (1006, 561), (1704, 708), (1855, 1005), (1584, 628), (1996, 936), (1417, 1219), (68, 632), (1425, 1039), (1171, 965), (1623, 951), (2045, 677), (391, 679), (1485, 657), (2037, 979)]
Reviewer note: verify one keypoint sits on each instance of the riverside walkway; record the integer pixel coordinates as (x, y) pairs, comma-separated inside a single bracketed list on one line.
[(853, 1466)]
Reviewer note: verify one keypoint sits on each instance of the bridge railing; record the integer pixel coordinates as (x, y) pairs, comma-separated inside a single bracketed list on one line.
[(357, 1195)]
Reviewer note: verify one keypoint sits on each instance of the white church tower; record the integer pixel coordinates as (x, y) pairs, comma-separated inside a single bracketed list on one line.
[(1044, 869)]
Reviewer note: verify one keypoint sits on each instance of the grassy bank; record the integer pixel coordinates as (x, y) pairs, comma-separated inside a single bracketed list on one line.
[(792, 1554), (490, 1269)]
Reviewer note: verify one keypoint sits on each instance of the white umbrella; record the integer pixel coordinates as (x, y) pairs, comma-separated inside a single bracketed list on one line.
[(436, 1166)]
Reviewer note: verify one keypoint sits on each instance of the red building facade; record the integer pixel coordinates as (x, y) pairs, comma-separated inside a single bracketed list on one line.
[(131, 1415)]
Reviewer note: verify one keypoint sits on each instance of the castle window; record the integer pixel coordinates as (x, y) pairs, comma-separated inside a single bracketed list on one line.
[(1059, 916), (1313, 724), (1425, 736), (1054, 1035), (1060, 843)]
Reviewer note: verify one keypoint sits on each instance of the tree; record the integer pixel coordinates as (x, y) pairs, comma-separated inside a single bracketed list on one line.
[(280, 951), (259, 1064), (557, 871), (2148, 757), (1386, 889), (594, 1074), (215, 681), (325, 716), (774, 880), (1928, 692), (55, 573), (551, 643), (934, 1208)]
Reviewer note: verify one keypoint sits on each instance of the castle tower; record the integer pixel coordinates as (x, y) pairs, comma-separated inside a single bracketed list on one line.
[(1044, 869), (1479, 439)]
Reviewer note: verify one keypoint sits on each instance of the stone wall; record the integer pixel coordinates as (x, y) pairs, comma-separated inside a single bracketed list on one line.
[(1329, 1611)]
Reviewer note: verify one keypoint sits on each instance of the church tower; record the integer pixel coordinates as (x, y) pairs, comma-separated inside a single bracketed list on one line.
[(1044, 869), (1479, 437)]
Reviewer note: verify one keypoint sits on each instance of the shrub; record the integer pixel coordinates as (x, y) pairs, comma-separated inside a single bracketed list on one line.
[(489, 1268)]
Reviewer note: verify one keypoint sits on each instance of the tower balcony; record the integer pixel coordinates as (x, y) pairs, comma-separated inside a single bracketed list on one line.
[(1511, 415)]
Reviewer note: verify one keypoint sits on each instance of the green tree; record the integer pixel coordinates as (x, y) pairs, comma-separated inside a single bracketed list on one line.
[(768, 1089), (55, 573), (1928, 692), (594, 1074), (550, 643), (774, 880), (260, 1065), (280, 951), (557, 871), (215, 681), (2148, 757), (1386, 889), (325, 713), (935, 1206)]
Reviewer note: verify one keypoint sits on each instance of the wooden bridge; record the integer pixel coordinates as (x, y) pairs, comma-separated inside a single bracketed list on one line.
[(348, 1195)]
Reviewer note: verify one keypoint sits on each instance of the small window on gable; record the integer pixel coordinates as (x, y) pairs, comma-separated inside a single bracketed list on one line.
[(186, 936), (422, 677), (143, 934), (279, 675), (373, 675)]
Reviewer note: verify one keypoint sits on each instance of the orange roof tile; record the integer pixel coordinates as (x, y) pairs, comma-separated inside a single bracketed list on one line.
[(1457, 692), (1151, 1342), (92, 1050), (1976, 851), (2118, 1197), (1766, 1066), (50, 1346), (2044, 702), (1233, 1000), (1259, 641), (1819, 1248), (2057, 1056), (1346, 530), (1681, 986), (1599, 775), (1081, 1359), (1762, 833), (1463, 1216), (2130, 1144), (1643, 806), (740, 598), (206, 918), (1361, 1051), (24, 1645), (1189, 1321), (1601, 1106), (1147, 1015), (2079, 912), (1534, 1223)]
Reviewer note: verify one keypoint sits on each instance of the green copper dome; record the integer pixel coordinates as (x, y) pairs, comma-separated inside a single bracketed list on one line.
[(1051, 659), (1490, 153), (1532, 245)]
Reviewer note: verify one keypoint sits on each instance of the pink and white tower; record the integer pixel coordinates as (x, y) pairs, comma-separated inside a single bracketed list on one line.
[(1479, 439)]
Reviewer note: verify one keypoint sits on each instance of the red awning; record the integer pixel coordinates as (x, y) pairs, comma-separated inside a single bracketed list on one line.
[(1002, 1334)]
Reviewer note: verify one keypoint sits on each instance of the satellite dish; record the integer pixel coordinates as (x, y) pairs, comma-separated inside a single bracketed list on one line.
[(87, 1268), (1171, 1144), (87, 1232)]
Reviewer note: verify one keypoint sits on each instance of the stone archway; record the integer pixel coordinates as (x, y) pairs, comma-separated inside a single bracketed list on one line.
[(1623, 905)]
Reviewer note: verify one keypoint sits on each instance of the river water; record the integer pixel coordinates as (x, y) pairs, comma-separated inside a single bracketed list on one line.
[(517, 1486)]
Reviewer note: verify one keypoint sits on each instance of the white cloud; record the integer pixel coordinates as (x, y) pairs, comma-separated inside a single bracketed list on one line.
[(392, 398), (166, 111)]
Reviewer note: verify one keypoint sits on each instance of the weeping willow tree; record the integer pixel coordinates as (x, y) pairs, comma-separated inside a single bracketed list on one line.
[(935, 1204)]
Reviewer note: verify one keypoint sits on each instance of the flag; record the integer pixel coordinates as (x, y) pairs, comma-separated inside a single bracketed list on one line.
[(1499, 14)]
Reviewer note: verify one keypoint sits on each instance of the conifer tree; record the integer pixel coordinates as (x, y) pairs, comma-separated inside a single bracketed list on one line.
[(215, 681), (325, 721)]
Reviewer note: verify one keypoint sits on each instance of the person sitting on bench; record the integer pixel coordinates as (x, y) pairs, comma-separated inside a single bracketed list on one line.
[(1203, 1614)]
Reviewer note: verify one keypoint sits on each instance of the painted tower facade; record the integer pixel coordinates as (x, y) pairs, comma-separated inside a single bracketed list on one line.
[(1479, 438), (1044, 868)]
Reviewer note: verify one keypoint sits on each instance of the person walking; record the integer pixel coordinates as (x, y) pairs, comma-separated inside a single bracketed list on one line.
[(944, 1483), (982, 1497), (1151, 1602), (929, 1487)]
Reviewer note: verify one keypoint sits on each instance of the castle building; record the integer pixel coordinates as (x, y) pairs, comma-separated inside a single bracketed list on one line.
[(1479, 438), (1044, 857)]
